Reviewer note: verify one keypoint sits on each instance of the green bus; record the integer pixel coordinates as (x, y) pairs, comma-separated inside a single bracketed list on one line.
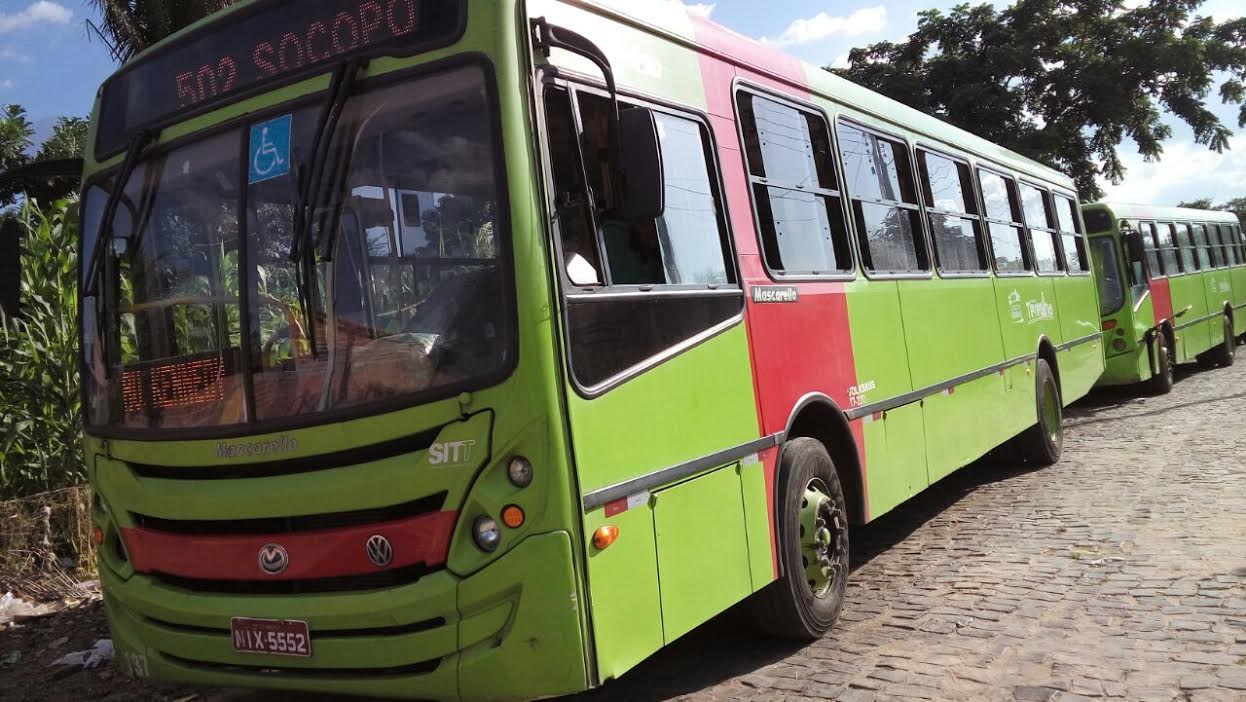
[(1172, 289), (477, 351)]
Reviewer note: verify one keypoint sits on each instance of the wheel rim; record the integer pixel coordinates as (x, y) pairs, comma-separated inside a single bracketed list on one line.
[(823, 537), (1051, 413)]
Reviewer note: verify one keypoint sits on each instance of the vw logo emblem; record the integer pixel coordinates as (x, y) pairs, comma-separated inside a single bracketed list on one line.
[(273, 559), (380, 551)]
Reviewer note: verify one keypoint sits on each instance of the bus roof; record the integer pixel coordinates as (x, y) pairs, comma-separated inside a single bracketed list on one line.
[(749, 53), (1123, 210)]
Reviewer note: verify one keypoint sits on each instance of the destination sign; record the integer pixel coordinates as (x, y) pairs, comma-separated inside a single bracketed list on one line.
[(270, 42)]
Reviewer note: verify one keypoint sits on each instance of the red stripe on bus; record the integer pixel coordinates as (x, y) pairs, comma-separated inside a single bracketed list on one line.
[(783, 373), (1161, 299), (315, 554)]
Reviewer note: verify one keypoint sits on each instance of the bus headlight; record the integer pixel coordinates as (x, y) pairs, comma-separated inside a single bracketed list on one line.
[(486, 533), (520, 472)]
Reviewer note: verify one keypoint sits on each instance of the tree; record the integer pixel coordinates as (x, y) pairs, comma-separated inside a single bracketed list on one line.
[(1065, 81), (68, 139), (134, 25), (1200, 204)]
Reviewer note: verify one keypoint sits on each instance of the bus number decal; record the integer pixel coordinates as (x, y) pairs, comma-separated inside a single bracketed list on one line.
[(856, 393)]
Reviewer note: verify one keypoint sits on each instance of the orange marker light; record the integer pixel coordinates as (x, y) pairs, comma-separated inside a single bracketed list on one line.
[(513, 516), (1109, 325), (605, 536), (97, 535)]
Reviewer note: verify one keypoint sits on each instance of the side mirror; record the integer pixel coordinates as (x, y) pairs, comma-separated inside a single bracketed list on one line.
[(10, 266), (1134, 246), (642, 182)]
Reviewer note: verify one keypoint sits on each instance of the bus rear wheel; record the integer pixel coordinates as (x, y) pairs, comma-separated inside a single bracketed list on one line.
[(1161, 383), (812, 528), (1224, 354), (1041, 444)]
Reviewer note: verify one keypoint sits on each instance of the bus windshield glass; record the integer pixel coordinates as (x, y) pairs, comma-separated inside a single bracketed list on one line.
[(204, 319)]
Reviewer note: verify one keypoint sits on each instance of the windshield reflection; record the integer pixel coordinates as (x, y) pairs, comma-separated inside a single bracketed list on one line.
[(407, 297)]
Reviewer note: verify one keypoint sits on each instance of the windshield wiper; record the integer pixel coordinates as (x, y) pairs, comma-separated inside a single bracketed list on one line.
[(302, 250), (103, 241)]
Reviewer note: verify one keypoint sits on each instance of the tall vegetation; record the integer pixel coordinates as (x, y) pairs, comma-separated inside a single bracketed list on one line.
[(1066, 81), (134, 25), (40, 430)]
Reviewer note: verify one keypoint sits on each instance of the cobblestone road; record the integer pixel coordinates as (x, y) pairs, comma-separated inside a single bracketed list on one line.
[(1118, 573)]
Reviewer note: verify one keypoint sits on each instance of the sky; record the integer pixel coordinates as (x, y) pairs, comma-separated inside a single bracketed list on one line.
[(52, 65)]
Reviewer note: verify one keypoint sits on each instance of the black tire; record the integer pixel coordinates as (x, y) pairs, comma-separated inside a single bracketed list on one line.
[(1161, 383), (1224, 354), (789, 607), (1041, 444)]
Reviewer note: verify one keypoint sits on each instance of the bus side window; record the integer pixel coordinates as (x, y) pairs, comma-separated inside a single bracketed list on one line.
[(1003, 215), (687, 244), (1041, 228), (879, 179), (1151, 244), (952, 211), (1071, 234), (796, 192), (1170, 258), (1205, 261), (1185, 243), (581, 263)]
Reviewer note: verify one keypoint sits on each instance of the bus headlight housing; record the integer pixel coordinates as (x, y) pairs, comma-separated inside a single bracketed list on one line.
[(520, 472), (487, 534)]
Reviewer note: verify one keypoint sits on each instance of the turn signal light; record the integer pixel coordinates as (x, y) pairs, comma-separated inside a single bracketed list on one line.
[(97, 535), (1109, 325), (513, 516), (605, 536)]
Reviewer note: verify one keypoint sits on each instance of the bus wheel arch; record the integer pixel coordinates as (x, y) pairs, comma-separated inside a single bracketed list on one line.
[(817, 416), (1047, 352)]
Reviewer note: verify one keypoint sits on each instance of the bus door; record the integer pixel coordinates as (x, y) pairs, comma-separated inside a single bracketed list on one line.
[(659, 389)]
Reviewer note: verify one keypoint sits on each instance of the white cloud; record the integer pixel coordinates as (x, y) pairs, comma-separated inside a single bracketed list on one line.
[(705, 9), (41, 12), (1187, 171), (6, 84), (8, 53), (823, 26)]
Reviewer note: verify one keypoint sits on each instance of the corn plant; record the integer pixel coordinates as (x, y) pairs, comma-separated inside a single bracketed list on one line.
[(40, 428)]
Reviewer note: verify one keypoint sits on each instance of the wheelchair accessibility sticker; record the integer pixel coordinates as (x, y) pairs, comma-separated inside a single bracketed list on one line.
[(270, 149)]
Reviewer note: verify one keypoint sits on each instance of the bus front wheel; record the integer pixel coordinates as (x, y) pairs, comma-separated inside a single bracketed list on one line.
[(1161, 383), (1041, 444), (812, 523)]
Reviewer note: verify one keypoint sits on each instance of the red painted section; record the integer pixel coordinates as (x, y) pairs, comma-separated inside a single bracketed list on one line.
[(783, 372), (1161, 299), (314, 554)]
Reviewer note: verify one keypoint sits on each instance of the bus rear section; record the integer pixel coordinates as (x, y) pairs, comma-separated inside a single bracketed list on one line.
[(1172, 289)]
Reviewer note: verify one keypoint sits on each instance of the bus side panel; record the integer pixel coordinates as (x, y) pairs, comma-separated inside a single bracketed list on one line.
[(697, 581), (1189, 295), (897, 454), (945, 342), (1238, 280), (1082, 364), (1219, 283), (694, 405), (1027, 312)]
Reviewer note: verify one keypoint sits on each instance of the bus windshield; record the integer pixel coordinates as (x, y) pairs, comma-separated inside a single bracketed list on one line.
[(204, 321), (1111, 285)]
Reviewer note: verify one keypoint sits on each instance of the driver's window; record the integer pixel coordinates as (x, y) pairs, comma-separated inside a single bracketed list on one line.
[(686, 245)]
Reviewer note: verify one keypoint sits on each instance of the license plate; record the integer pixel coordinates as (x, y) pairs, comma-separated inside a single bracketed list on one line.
[(281, 638)]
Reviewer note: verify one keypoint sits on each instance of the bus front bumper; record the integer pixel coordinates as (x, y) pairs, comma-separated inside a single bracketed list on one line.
[(511, 631)]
